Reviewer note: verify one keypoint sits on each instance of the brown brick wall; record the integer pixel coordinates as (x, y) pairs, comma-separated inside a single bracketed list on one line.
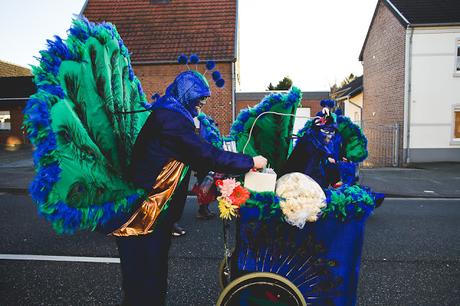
[(383, 65), (155, 78)]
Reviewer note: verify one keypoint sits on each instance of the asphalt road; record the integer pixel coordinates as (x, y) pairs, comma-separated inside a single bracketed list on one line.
[(411, 256)]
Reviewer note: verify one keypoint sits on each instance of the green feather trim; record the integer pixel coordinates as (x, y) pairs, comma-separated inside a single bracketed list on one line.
[(271, 135), (82, 146)]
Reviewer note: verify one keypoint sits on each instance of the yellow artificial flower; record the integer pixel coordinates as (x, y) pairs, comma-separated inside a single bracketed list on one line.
[(227, 210)]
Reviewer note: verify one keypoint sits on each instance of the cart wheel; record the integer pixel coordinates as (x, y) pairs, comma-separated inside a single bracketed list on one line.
[(223, 277), (261, 288)]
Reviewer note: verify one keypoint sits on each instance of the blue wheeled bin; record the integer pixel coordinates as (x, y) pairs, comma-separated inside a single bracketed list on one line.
[(274, 263)]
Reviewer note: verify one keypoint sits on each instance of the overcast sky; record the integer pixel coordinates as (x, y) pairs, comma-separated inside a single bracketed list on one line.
[(315, 43)]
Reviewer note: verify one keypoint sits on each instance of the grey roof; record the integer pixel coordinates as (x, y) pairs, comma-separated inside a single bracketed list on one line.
[(352, 89), (427, 11), (258, 96), (420, 13)]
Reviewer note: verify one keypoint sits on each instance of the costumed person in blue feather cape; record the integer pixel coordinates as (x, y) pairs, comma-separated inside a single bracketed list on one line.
[(103, 163), (321, 152), (167, 143), (318, 151)]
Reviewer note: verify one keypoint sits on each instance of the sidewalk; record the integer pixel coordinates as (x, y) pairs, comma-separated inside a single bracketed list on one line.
[(16, 170), (439, 180)]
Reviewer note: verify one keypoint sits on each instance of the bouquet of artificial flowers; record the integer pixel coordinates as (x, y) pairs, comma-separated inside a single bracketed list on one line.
[(233, 195)]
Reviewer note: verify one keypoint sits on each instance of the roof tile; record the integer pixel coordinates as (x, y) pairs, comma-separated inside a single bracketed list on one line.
[(12, 70), (160, 32)]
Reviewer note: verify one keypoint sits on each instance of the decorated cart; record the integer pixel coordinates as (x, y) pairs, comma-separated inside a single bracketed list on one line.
[(290, 253)]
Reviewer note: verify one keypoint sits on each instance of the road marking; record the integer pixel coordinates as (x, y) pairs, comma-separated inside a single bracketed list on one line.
[(421, 199), (59, 258)]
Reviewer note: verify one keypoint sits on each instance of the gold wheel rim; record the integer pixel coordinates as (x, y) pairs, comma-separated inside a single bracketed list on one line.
[(249, 276), (221, 273)]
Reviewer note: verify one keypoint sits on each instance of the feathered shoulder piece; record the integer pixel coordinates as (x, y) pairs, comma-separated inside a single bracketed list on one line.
[(78, 124), (266, 128)]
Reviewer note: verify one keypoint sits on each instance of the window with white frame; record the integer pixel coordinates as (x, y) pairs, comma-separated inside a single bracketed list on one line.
[(457, 122), (5, 121)]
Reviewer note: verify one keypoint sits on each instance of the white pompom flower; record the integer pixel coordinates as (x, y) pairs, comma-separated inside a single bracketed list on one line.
[(301, 198)]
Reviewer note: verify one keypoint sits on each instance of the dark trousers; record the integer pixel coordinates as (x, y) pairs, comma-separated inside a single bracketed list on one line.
[(144, 259)]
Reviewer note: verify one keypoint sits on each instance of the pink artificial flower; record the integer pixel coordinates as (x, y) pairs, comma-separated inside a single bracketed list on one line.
[(227, 186)]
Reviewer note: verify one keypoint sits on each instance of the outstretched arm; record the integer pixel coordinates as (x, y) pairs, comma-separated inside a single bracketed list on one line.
[(178, 136)]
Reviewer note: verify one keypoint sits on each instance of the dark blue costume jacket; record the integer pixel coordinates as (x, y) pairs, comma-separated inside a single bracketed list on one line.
[(167, 135)]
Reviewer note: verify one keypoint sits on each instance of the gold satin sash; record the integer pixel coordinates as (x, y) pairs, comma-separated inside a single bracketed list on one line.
[(145, 216)]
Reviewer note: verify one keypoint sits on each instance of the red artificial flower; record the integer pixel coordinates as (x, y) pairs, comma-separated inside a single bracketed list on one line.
[(239, 195), (219, 183)]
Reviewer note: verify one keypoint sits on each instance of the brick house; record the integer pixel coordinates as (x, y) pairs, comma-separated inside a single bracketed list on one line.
[(310, 103), (156, 32), (411, 65), (16, 86)]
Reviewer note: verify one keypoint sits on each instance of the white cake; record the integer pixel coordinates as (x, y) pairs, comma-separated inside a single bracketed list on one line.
[(260, 182)]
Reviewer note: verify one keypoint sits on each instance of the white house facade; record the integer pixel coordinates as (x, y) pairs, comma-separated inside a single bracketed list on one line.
[(411, 82), (432, 97)]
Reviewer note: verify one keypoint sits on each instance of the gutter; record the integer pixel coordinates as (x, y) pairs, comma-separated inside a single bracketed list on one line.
[(83, 8), (347, 98), (171, 62), (351, 102), (6, 99), (397, 12), (437, 24)]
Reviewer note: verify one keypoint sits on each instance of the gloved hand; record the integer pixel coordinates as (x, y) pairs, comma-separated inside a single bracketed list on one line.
[(260, 162)]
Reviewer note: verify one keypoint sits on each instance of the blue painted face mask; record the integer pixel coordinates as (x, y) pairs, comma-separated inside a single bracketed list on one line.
[(190, 88), (325, 128)]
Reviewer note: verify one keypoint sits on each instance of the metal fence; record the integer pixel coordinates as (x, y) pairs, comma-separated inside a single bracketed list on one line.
[(383, 145)]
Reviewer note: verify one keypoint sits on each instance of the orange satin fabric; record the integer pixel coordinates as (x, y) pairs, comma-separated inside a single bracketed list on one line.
[(145, 216)]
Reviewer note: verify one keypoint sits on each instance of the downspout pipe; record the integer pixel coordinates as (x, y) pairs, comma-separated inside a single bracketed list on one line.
[(408, 95), (233, 92), (236, 54)]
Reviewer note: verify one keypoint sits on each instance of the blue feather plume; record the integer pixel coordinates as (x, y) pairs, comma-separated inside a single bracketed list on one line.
[(194, 59), (220, 83), (327, 103), (59, 48), (210, 65), (216, 76), (182, 59)]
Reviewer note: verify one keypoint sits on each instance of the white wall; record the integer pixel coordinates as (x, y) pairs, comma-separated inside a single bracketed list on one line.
[(303, 114), (435, 87), (353, 107)]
